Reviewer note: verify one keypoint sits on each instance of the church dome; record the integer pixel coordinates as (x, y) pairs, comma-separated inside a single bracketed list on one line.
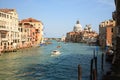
[(89, 27), (85, 28), (77, 27)]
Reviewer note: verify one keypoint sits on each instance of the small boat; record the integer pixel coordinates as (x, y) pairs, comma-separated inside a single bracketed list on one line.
[(58, 46), (55, 52)]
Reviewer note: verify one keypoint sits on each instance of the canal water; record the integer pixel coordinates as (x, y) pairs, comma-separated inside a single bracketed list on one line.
[(38, 64)]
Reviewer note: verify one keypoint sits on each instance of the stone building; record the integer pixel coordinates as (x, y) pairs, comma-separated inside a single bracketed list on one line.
[(25, 30), (28, 33), (81, 35), (9, 34), (77, 27), (88, 35), (74, 36), (106, 33), (38, 26)]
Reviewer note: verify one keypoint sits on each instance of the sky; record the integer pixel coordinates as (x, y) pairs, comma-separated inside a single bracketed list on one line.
[(60, 16)]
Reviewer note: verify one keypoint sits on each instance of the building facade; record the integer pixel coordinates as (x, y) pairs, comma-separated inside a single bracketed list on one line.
[(36, 28), (106, 33), (16, 34), (9, 34), (88, 35), (25, 35), (74, 36), (81, 35)]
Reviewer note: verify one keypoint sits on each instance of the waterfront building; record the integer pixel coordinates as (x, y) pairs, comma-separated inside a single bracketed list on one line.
[(25, 30), (81, 35), (36, 30), (74, 36), (9, 34), (106, 33), (88, 35)]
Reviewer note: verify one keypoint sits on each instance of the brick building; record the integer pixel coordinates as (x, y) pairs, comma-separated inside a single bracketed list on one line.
[(106, 33), (36, 28)]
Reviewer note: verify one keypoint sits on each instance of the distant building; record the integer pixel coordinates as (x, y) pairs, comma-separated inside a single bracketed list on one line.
[(77, 27), (88, 35), (106, 30), (80, 35), (74, 36), (63, 38), (9, 34)]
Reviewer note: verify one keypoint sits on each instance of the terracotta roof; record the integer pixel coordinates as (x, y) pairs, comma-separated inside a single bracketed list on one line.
[(7, 10), (29, 20)]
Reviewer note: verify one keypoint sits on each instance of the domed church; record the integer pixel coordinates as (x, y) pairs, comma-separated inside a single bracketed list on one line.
[(77, 27)]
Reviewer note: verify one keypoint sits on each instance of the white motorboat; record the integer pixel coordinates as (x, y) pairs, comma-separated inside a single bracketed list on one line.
[(55, 52)]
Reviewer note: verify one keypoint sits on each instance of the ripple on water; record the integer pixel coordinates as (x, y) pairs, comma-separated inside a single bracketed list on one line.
[(37, 64)]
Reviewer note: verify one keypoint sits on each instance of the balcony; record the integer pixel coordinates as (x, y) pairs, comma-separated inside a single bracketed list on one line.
[(4, 39), (3, 28), (37, 31), (16, 38), (23, 39)]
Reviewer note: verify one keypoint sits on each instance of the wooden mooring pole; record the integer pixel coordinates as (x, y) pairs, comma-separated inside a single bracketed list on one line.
[(94, 74), (91, 70), (102, 62), (94, 53), (79, 72), (95, 64)]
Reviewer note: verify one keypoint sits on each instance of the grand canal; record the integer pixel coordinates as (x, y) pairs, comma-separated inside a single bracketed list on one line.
[(38, 64)]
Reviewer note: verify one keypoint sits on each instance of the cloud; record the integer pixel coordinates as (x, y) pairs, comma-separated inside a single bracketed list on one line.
[(107, 2)]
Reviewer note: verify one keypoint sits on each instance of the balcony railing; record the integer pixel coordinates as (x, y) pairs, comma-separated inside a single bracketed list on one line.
[(3, 28), (4, 39), (23, 39)]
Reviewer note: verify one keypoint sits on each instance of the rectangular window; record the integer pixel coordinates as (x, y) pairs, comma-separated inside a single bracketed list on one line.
[(21, 30), (7, 16), (15, 41), (25, 30), (1, 43), (10, 17), (18, 29), (112, 30), (3, 35), (0, 14)]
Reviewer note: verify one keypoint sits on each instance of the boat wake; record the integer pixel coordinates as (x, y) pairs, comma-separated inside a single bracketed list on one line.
[(55, 53)]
